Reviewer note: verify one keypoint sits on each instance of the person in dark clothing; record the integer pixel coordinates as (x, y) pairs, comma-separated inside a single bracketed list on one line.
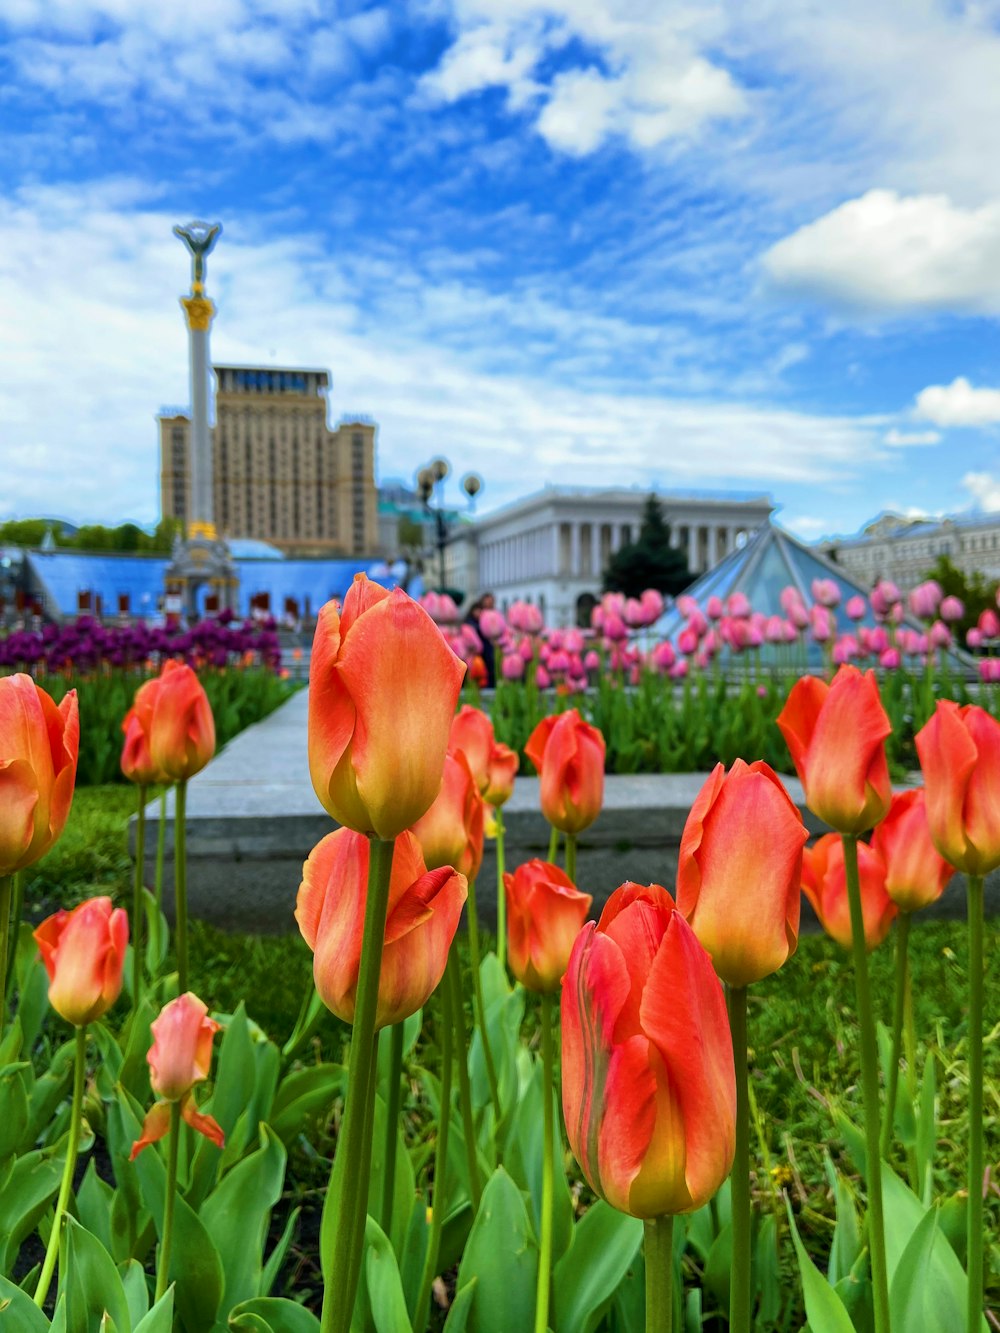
[(485, 602)]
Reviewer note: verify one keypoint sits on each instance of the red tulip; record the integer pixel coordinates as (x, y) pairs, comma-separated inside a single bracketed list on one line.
[(180, 1057), (915, 874), (739, 871), (649, 1090), (836, 737), (824, 882), (545, 911), (39, 744), (472, 733), (181, 727), (424, 910), (137, 760), (84, 953), (569, 755), (451, 831), (959, 751), (504, 763), (383, 685)]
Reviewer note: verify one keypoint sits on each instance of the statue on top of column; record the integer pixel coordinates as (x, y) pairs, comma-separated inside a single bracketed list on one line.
[(199, 237)]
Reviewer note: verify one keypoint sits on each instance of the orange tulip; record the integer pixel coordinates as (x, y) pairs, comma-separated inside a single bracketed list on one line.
[(424, 910), (545, 911), (472, 733), (180, 1057), (824, 882), (181, 726), (84, 953), (451, 831), (836, 737), (959, 751), (569, 755), (383, 685), (915, 874), (739, 871), (39, 744), (649, 1089), (137, 760), (503, 766)]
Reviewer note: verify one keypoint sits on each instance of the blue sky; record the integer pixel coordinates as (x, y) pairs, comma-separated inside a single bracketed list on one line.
[(747, 245)]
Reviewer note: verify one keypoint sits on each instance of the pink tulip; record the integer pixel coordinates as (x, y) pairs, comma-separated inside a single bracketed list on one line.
[(939, 635), (714, 608), (738, 604), (592, 661), (856, 607), (542, 678), (951, 608), (687, 606), (687, 641), (822, 624), (492, 624), (652, 601), (825, 592), (974, 637), (512, 666), (890, 659), (989, 624)]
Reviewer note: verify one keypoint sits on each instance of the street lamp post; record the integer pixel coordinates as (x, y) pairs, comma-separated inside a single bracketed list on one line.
[(431, 478)]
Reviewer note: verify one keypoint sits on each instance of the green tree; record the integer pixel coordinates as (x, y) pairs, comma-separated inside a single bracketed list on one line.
[(975, 590), (650, 561)]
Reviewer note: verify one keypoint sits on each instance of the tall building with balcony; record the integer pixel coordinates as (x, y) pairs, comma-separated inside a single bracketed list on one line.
[(281, 474)]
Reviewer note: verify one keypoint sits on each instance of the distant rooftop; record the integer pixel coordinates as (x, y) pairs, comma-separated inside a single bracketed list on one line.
[(622, 493), (894, 527)]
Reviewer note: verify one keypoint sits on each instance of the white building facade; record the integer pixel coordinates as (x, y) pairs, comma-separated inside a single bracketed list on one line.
[(551, 549), (905, 550)]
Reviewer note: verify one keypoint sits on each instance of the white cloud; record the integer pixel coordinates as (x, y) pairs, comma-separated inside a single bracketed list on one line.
[(958, 404), (883, 252), (903, 439), (984, 489), (442, 366), (806, 525)]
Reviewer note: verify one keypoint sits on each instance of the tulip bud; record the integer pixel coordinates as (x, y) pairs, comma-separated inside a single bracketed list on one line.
[(39, 745), (545, 911), (649, 1090), (915, 874), (137, 759), (383, 685), (959, 751), (504, 763), (424, 910), (824, 882), (84, 953), (569, 756), (472, 733), (739, 871), (180, 1057), (181, 728), (836, 737), (450, 833)]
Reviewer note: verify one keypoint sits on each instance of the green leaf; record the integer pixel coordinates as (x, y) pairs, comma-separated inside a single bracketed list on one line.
[(824, 1307), (523, 1158), (277, 1256), (15, 1083), (929, 1289), (846, 1235), (767, 1272), (235, 1077), (33, 1183), (304, 1097), (93, 1205), (18, 1312), (927, 1130), (309, 1018), (90, 1282), (458, 1315), (133, 1277), (604, 1246), (157, 934), (237, 1213), (275, 1314), (404, 1186), (385, 1291), (161, 1317), (501, 1253), (718, 1265)]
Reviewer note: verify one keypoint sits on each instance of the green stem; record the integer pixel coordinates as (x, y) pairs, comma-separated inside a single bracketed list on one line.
[(14, 919), (464, 1087), (6, 888), (658, 1233), (137, 910), (440, 1163), (348, 1193), (392, 1124), (571, 857), (553, 846), (899, 1004), (161, 844), (548, 1172), (73, 1147), (479, 1002), (167, 1235), (501, 893), (910, 1048), (975, 1216), (869, 1088), (180, 885), (739, 1290)]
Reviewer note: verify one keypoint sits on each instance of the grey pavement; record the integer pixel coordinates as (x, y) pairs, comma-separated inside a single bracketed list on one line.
[(253, 818)]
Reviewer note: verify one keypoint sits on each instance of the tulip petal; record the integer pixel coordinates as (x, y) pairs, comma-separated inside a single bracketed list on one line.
[(637, 928), (982, 797), (361, 596), (628, 1123), (18, 801), (797, 720), (403, 716), (156, 1126), (330, 910), (948, 756), (684, 1014), (535, 745), (204, 1124), (413, 963)]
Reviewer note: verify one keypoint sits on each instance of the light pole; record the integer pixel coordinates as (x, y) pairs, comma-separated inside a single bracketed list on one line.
[(431, 478)]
